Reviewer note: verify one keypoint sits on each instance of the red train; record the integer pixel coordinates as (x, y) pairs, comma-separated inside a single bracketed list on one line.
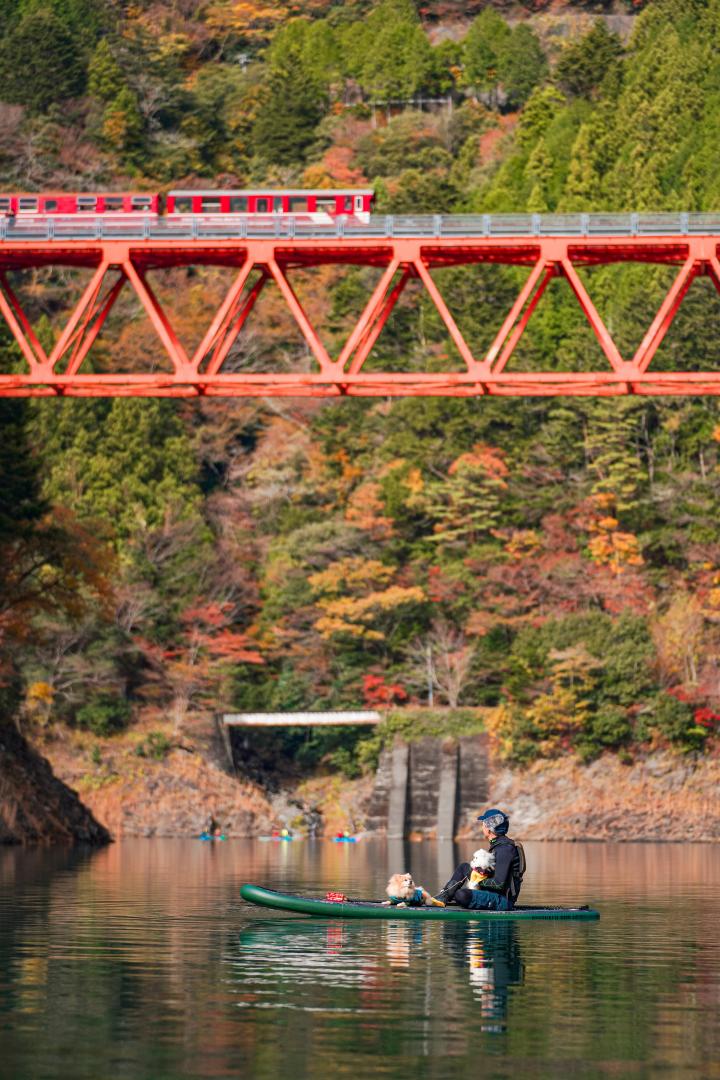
[(321, 203)]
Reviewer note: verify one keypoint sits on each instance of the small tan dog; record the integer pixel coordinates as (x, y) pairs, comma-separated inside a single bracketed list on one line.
[(403, 892)]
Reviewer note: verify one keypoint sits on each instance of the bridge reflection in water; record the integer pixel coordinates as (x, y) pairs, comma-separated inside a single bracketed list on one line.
[(118, 256)]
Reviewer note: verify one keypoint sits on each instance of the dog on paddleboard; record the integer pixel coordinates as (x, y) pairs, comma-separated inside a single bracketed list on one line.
[(403, 892), (482, 865)]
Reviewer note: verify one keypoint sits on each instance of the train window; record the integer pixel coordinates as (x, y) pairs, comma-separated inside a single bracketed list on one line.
[(358, 202), (278, 204), (27, 204), (347, 204), (183, 205), (88, 202), (298, 205), (210, 205), (262, 206), (238, 204), (141, 202), (112, 203), (325, 206), (50, 204), (4, 205)]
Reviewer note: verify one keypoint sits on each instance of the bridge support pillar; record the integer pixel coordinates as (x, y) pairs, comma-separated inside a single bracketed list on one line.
[(447, 790), (397, 808)]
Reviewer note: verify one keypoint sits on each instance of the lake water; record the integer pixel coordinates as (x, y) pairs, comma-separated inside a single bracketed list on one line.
[(139, 961)]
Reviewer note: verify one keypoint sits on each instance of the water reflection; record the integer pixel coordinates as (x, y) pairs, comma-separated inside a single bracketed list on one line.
[(140, 963), (484, 959), (490, 955)]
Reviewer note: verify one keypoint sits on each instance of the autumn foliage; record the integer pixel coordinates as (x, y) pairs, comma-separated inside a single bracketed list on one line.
[(554, 560)]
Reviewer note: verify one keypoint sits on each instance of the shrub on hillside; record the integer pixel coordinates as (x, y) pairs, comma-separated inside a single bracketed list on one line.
[(104, 714), (675, 721)]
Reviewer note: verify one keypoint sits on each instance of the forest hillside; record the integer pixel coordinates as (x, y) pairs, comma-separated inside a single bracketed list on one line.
[(554, 562)]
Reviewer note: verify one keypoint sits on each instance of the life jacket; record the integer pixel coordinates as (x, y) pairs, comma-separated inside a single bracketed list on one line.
[(416, 900)]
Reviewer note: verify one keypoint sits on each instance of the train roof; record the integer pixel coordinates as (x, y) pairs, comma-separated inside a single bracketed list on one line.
[(272, 191)]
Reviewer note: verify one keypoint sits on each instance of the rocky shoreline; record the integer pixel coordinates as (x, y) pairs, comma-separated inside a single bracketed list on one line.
[(660, 796)]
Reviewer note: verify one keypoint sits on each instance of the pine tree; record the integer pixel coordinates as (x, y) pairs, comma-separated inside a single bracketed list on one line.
[(539, 172), (585, 64), (582, 187), (40, 63), (293, 104), (481, 49), (105, 77), (123, 123), (521, 65)]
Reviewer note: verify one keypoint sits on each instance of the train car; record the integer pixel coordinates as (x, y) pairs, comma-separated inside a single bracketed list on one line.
[(62, 202), (321, 204)]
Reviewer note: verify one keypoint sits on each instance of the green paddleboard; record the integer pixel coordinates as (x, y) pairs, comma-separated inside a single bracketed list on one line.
[(373, 909)]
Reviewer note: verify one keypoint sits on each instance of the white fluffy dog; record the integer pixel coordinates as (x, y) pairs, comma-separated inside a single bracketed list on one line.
[(484, 861)]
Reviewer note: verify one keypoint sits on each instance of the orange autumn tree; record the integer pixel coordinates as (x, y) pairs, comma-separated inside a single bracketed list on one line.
[(357, 596), (196, 671), (254, 22), (609, 545)]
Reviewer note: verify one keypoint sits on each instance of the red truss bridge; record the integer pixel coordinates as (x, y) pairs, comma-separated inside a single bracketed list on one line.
[(120, 254)]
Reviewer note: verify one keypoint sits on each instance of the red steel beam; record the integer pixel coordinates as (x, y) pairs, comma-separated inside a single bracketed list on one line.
[(373, 332), (398, 259)]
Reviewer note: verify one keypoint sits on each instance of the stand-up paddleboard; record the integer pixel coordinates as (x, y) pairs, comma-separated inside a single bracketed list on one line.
[(373, 909)]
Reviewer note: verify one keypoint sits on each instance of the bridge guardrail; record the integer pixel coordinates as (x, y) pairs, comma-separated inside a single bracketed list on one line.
[(379, 226)]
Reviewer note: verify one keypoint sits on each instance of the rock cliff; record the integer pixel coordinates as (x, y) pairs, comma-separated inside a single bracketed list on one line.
[(36, 807)]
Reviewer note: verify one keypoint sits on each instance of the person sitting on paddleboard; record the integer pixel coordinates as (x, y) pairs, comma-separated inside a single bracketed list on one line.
[(498, 892)]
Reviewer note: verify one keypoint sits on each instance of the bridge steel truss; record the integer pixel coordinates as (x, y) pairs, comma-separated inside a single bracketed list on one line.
[(118, 264)]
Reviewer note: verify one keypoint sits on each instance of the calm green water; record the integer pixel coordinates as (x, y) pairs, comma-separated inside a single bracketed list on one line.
[(139, 961)]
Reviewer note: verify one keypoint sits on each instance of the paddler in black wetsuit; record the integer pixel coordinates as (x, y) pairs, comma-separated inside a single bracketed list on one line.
[(500, 891)]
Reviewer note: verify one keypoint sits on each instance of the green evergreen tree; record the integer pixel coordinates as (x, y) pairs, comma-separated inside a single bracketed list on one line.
[(105, 77), (40, 63), (293, 104), (521, 65), (482, 47), (399, 63), (539, 172), (123, 125), (87, 20), (582, 187), (586, 63)]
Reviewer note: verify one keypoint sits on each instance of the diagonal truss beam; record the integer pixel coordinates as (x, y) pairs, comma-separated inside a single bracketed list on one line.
[(460, 344), (599, 328), (666, 313), (223, 319), (91, 326), (373, 330), (20, 327), (309, 333), (236, 319), (370, 314), (548, 273), (159, 320)]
